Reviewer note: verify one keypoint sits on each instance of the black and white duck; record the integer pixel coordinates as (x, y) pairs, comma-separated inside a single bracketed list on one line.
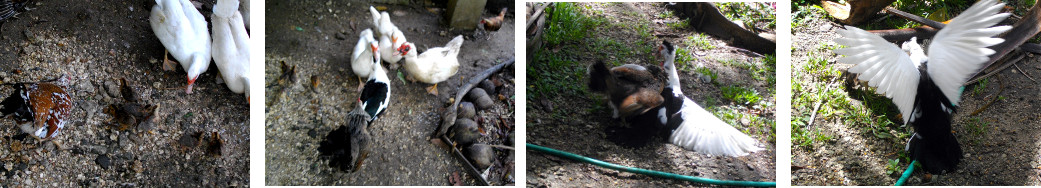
[(927, 89)]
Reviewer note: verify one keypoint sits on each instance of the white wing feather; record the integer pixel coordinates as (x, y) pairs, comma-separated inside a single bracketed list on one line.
[(960, 48), (703, 132), (884, 65)]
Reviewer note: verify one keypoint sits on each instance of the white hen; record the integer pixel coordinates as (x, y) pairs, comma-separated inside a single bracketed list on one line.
[(183, 32), (366, 54), (435, 64), (231, 46), (697, 129)]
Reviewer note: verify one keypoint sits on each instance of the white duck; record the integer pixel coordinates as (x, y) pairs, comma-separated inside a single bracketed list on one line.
[(434, 65), (389, 44), (231, 46), (391, 38), (694, 128), (182, 30), (366, 54)]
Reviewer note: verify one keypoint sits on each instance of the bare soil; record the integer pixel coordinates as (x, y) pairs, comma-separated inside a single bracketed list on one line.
[(578, 123), (94, 44), (1000, 143), (318, 37)]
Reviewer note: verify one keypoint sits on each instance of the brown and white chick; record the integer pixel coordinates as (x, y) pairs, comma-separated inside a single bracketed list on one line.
[(42, 109)]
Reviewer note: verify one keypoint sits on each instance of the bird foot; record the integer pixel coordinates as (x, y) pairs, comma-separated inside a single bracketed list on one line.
[(361, 85), (432, 90), (167, 64)]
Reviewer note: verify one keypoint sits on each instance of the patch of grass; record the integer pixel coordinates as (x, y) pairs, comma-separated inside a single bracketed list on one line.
[(680, 25), (756, 125), (818, 83), (766, 71), (567, 24), (705, 71), (741, 95), (805, 12), (977, 126), (666, 14), (980, 87), (700, 41), (751, 14)]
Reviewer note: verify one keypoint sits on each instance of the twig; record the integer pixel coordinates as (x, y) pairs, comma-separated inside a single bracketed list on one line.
[(915, 18), (1003, 67), (817, 106), (1024, 72), (503, 147), (1001, 85)]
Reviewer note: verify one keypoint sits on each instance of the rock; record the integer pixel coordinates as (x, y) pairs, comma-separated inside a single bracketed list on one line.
[(112, 88), (85, 87), (488, 86), (466, 110), (481, 155), (465, 132), (103, 161), (341, 36), (480, 98)]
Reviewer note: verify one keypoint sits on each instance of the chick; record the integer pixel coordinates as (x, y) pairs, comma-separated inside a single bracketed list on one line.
[(494, 23)]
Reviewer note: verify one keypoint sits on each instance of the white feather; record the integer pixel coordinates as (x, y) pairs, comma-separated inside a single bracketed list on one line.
[(231, 45), (362, 58), (960, 48), (703, 132), (182, 30), (436, 64), (700, 130), (882, 64)]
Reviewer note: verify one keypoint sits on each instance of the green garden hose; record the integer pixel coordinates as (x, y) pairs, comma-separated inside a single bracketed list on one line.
[(907, 174), (648, 172)]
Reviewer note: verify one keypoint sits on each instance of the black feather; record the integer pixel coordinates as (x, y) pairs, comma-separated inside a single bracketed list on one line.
[(598, 73), (347, 146), (372, 96), (933, 144), (18, 104)]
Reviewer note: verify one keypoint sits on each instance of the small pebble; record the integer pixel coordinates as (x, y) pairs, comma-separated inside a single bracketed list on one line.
[(103, 161)]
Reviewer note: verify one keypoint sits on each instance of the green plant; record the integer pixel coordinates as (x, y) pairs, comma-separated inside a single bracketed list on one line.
[(707, 72), (567, 24), (741, 95), (893, 165), (700, 41), (751, 14)]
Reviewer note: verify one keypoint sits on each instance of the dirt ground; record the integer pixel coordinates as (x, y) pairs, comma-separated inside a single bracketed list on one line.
[(1000, 144), (94, 44), (318, 37), (581, 123)]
